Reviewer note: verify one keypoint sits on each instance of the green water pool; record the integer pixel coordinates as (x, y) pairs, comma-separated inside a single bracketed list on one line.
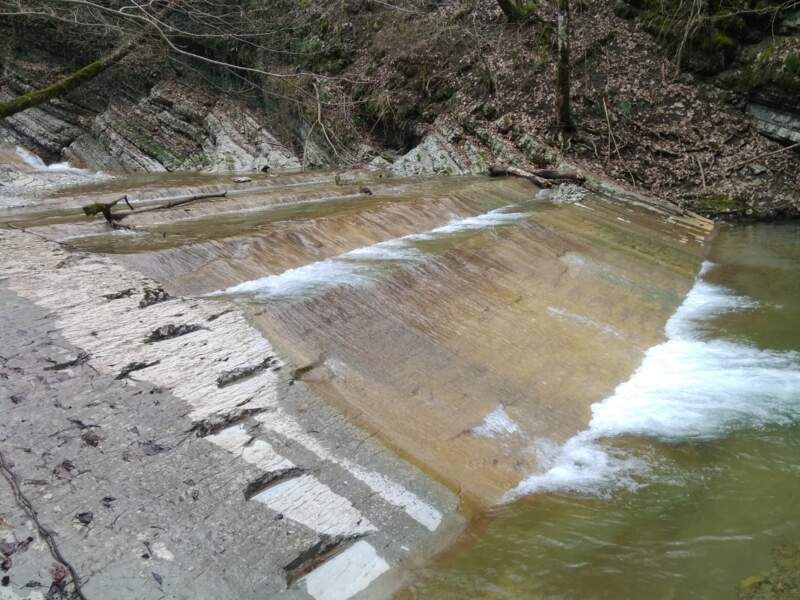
[(709, 489)]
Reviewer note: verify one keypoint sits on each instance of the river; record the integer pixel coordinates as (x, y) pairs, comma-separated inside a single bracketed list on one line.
[(688, 478)]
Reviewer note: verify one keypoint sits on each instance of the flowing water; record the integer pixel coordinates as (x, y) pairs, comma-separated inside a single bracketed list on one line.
[(493, 337), (462, 320), (688, 476)]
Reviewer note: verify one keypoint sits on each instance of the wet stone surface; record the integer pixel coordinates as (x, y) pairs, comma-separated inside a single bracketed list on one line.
[(189, 526), (138, 502)]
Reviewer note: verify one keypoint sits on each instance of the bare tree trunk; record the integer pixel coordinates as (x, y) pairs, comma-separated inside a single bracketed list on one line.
[(564, 119), (73, 80)]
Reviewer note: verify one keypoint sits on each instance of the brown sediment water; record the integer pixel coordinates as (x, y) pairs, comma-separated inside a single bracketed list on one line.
[(459, 319)]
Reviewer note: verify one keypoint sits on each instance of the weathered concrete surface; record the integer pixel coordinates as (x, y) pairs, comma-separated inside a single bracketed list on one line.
[(466, 360), (198, 426), (480, 345), (460, 353)]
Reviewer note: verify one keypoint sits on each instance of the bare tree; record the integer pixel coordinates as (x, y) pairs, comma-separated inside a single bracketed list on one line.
[(173, 22), (516, 10), (74, 80), (564, 120)]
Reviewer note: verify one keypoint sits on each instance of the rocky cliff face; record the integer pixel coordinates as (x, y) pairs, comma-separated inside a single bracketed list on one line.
[(449, 89), (750, 48), (147, 113), (172, 127)]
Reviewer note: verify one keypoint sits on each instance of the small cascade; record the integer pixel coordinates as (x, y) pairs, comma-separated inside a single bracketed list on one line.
[(37, 164), (362, 265), (462, 319), (687, 388)]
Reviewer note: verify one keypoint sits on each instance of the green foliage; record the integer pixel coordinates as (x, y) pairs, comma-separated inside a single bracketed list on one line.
[(518, 10), (792, 63), (625, 107)]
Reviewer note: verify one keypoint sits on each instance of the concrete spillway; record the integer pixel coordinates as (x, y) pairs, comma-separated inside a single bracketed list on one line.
[(460, 320), (456, 322)]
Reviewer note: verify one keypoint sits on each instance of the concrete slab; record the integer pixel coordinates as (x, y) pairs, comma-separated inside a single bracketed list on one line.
[(142, 477)]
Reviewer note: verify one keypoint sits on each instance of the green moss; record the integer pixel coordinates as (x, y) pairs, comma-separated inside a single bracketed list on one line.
[(720, 41), (518, 10), (58, 89), (771, 68), (717, 29), (715, 202), (792, 63)]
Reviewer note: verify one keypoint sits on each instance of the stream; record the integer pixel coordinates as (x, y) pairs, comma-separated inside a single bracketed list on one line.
[(688, 478)]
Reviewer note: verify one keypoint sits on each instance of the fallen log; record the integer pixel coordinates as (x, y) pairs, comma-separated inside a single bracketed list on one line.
[(544, 178), (559, 175), (113, 219), (186, 200), (105, 209)]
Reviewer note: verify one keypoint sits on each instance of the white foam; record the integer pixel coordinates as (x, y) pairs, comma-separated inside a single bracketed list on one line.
[(496, 423), (33, 161), (686, 388), (306, 279), (398, 249), (357, 267), (493, 218)]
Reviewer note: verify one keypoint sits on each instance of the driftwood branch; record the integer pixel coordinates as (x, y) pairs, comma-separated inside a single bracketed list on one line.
[(185, 200), (738, 166), (544, 178), (113, 219), (104, 208)]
